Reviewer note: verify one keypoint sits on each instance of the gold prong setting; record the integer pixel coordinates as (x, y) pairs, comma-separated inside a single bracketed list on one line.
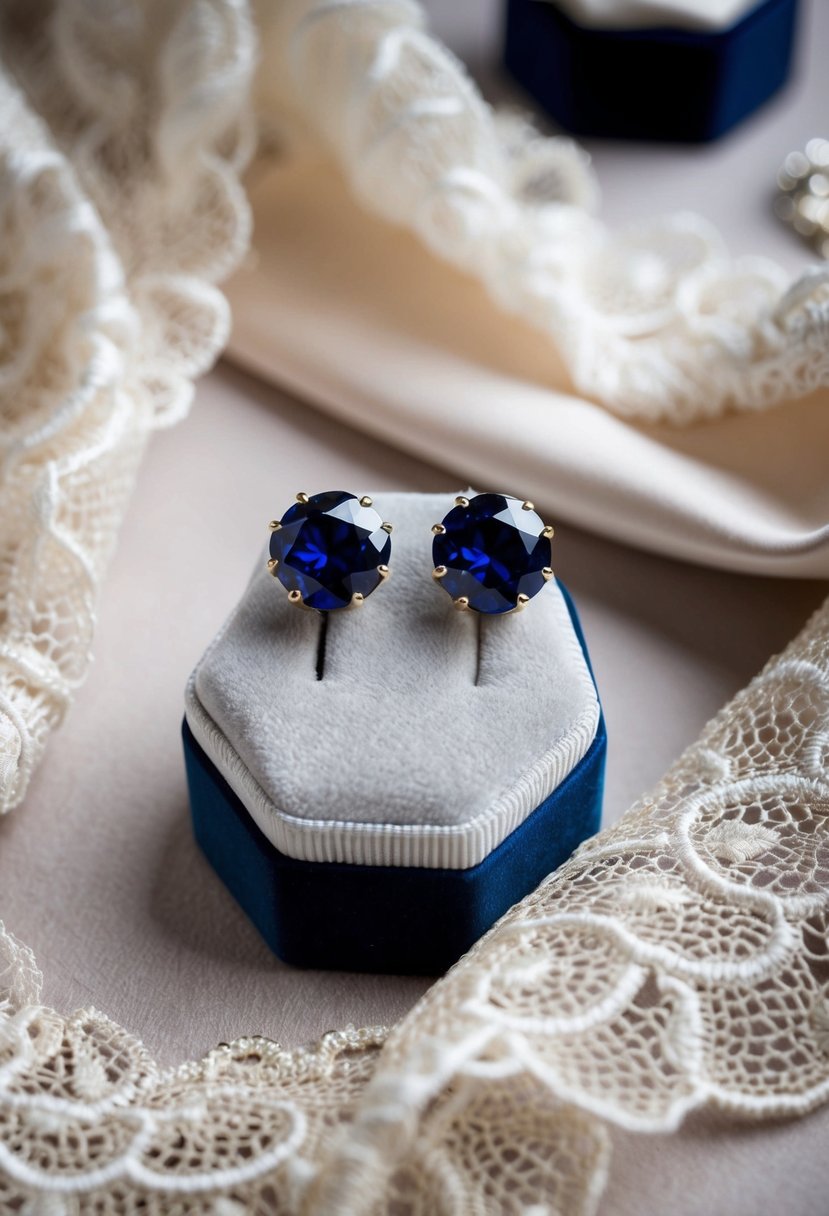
[(479, 559), (319, 528)]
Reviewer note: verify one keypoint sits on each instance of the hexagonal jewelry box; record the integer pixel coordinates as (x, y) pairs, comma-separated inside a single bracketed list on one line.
[(377, 786)]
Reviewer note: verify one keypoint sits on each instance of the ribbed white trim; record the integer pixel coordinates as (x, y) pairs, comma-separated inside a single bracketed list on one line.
[(439, 846)]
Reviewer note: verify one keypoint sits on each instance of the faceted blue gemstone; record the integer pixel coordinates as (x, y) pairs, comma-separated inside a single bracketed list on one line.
[(493, 550), (329, 548)]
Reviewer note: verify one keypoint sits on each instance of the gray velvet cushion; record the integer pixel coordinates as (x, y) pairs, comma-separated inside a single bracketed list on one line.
[(432, 734)]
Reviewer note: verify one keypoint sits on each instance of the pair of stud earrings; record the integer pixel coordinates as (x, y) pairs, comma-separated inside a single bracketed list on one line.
[(491, 553)]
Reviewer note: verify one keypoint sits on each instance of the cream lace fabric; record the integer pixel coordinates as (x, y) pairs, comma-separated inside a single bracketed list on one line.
[(678, 960), (120, 145)]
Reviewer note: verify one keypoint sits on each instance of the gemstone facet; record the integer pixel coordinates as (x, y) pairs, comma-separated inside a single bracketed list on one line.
[(492, 553), (330, 548)]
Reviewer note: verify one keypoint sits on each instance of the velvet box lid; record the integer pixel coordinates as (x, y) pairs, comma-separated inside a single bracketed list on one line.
[(383, 816), (636, 69)]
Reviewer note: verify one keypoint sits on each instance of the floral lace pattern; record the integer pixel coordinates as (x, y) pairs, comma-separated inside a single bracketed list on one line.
[(120, 207), (680, 959)]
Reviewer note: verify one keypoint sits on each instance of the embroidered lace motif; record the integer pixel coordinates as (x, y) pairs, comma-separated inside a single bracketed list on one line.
[(679, 959)]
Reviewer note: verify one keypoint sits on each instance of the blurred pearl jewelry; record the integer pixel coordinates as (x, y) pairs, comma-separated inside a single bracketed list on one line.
[(804, 199)]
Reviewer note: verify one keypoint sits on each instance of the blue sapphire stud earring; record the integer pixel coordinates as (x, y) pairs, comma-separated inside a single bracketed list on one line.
[(330, 550), (492, 553)]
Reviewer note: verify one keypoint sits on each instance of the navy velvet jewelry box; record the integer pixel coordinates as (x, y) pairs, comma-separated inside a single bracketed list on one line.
[(383, 817), (663, 83)]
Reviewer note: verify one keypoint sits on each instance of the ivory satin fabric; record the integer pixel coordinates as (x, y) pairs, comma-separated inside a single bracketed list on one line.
[(357, 317)]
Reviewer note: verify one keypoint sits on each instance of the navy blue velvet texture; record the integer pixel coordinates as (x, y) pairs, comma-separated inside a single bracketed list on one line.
[(662, 84), (394, 919)]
